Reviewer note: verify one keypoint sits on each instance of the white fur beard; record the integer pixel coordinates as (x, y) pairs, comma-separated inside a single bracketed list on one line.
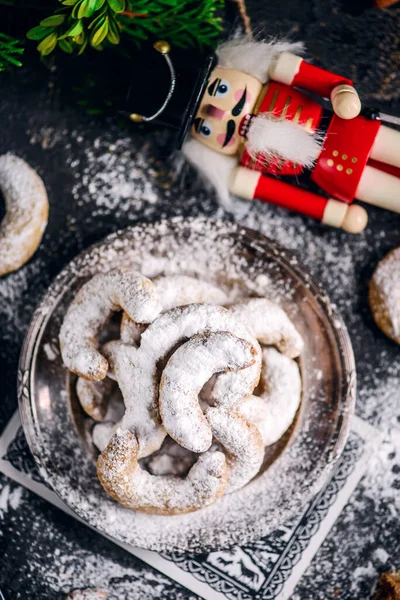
[(216, 168), (283, 139)]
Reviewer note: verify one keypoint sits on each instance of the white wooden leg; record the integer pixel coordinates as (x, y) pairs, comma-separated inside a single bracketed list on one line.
[(386, 147), (380, 189), (352, 219)]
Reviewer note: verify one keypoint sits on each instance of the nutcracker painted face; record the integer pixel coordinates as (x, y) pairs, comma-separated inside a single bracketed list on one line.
[(229, 96)]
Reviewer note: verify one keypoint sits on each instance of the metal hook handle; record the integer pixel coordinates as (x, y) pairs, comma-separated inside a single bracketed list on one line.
[(164, 48)]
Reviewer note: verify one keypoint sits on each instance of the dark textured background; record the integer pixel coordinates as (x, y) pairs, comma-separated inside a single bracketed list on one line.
[(62, 143)]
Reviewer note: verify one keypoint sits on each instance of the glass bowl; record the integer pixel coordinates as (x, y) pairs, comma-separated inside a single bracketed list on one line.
[(244, 263)]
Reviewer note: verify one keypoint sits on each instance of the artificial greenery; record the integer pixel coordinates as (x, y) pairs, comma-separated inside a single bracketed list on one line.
[(10, 51)]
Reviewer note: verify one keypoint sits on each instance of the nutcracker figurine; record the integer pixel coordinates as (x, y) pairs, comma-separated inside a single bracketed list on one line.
[(255, 134)]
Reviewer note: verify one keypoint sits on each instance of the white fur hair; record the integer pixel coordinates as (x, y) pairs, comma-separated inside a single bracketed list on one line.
[(215, 167), (284, 139), (254, 57)]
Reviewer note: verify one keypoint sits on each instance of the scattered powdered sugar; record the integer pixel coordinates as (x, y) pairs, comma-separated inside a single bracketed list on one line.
[(56, 556), (378, 398), (16, 302), (384, 473), (381, 555), (9, 499), (110, 177), (81, 569), (47, 137), (363, 574), (349, 554)]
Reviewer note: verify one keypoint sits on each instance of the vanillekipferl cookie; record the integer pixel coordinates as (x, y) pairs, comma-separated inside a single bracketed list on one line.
[(27, 209), (188, 371), (384, 295)]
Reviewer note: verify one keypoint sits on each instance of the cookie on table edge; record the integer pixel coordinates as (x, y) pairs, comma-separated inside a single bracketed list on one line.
[(384, 295), (389, 586)]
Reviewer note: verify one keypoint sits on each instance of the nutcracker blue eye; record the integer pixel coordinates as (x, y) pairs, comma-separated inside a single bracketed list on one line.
[(223, 88), (205, 129)]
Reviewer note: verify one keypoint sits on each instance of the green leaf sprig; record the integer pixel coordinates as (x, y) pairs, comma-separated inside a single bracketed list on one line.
[(10, 50), (79, 23)]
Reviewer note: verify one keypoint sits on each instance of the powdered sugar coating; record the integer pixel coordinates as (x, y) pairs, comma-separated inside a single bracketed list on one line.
[(138, 380), (274, 410), (180, 290), (384, 295), (26, 216), (173, 291), (102, 434), (181, 323), (241, 441), (185, 374), (269, 323), (131, 332), (90, 310), (138, 376), (124, 480)]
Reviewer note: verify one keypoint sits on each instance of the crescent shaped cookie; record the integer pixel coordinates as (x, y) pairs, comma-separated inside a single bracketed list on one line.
[(274, 411), (185, 374), (173, 291), (179, 324), (180, 290), (138, 380), (124, 480), (90, 310), (269, 323), (27, 210), (138, 375), (384, 295), (241, 441)]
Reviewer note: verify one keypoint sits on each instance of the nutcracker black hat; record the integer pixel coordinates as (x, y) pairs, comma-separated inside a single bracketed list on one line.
[(167, 85)]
